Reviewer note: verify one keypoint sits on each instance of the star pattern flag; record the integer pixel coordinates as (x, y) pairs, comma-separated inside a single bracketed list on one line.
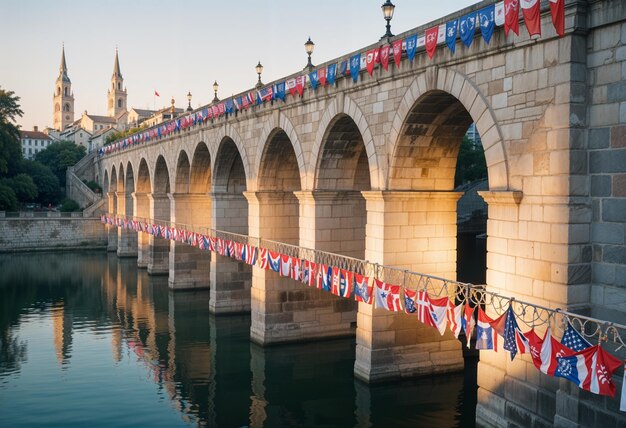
[(411, 46), (362, 289), (551, 349), (467, 27), (486, 336), (273, 261), (486, 18), (511, 16), (384, 56), (432, 34), (532, 16), (557, 10), (387, 296), (573, 339), (397, 52), (451, 30), (591, 369)]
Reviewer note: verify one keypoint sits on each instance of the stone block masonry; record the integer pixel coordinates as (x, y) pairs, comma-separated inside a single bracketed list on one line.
[(50, 233)]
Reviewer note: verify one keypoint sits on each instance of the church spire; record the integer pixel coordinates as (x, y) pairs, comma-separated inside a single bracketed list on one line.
[(63, 66), (116, 66)]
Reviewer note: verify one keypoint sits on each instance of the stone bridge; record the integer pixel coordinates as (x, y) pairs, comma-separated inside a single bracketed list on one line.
[(367, 170)]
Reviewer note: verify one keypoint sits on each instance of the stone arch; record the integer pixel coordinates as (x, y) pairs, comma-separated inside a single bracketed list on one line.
[(113, 184), (143, 178), (346, 106), (200, 178), (183, 168), (130, 178), (452, 93), (229, 132), (105, 183), (121, 182), (161, 177), (278, 167), (230, 168), (270, 129)]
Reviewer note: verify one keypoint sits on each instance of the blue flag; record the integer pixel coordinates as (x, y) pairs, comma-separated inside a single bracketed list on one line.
[(487, 21), (467, 27), (510, 328), (230, 106), (411, 46), (331, 73), (573, 339), (451, 30), (279, 91), (355, 66), (314, 80), (343, 69)]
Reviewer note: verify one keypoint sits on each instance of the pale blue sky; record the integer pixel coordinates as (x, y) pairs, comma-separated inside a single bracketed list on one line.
[(179, 46)]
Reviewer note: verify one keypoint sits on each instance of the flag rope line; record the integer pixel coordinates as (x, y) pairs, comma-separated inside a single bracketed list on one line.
[(463, 293)]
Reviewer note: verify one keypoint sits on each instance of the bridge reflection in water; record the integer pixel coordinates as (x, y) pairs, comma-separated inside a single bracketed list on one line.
[(204, 366)]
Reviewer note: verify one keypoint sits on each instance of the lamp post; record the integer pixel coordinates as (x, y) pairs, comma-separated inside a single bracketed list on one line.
[(189, 99), (215, 88), (308, 47), (259, 70), (388, 9), (173, 109)]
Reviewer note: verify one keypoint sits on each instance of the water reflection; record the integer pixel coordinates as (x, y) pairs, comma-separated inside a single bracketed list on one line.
[(129, 352)]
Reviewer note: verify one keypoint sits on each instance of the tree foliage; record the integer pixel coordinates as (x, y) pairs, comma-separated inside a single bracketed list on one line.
[(471, 164), (8, 200), (10, 150), (119, 135), (24, 187), (49, 191), (60, 155)]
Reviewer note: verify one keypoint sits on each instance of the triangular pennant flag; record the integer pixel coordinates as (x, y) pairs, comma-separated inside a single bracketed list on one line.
[(486, 17), (511, 16), (384, 56), (397, 52), (370, 60), (438, 309), (314, 80), (355, 67), (573, 339), (467, 26), (321, 75), (451, 30), (332, 72), (532, 16), (432, 34), (411, 46), (557, 9)]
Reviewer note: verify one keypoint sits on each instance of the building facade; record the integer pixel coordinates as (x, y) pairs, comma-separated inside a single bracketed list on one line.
[(33, 142)]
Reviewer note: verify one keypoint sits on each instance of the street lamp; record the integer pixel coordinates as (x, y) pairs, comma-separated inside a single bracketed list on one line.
[(388, 9), (189, 99), (173, 109), (308, 47), (215, 88), (259, 70)]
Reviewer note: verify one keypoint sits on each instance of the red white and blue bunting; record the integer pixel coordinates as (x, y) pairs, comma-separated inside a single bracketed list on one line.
[(573, 357), (504, 13)]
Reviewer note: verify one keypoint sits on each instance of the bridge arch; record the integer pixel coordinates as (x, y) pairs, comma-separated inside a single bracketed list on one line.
[(279, 166), (130, 178), (351, 109), (431, 120), (283, 128), (183, 169), (231, 174), (229, 133), (143, 178), (121, 182), (161, 177), (113, 184), (105, 182), (200, 175)]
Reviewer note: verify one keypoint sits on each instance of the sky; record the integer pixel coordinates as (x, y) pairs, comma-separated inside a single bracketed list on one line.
[(175, 47)]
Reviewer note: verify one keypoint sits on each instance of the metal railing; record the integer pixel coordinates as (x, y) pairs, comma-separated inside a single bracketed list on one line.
[(531, 314)]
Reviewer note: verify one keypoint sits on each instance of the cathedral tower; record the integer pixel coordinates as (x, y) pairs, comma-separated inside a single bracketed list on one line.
[(63, 98), (117, 93)]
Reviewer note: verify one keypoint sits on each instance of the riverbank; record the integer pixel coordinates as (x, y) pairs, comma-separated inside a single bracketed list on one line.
[(45, 231)]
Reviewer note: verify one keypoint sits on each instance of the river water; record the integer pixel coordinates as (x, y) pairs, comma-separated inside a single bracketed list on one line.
[(88, 340)]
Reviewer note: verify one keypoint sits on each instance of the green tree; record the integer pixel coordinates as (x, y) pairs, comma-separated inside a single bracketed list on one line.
[(10, 150), (60, 155), (470, 164), (8, 200), (49, 191), (23, 185)]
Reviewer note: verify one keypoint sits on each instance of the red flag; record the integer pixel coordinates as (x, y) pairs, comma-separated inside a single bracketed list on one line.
[(431, 40), (321, 76), (384, 56), (300, 85), (156, 94), (511, 16), (291, 85), (557, 8), (370, 61), (397, 52), (532, 16)]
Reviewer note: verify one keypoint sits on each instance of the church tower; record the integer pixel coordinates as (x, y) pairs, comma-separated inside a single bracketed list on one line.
[(117, 93), (63, 98)]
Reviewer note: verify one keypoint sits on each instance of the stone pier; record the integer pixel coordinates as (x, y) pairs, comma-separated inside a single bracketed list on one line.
[(126, 239)]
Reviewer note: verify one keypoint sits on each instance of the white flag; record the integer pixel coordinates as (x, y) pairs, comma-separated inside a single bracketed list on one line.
[(622, 406)]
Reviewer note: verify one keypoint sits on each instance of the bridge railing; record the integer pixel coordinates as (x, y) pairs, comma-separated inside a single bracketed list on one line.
[(531, 314)]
